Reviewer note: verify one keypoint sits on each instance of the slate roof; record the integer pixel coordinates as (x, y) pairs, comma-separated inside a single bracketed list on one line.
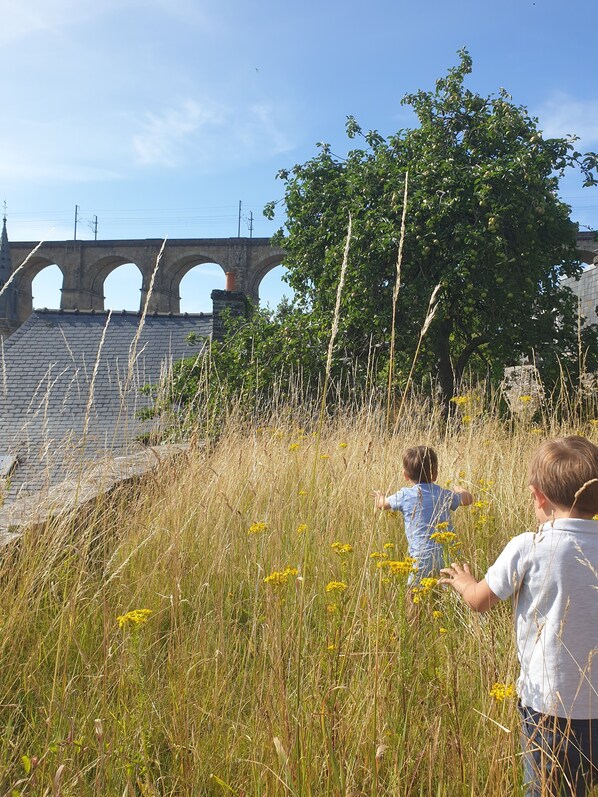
[(51, 365)]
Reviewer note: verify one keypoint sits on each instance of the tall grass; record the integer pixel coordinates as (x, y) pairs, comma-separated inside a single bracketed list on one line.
[(201, 696)]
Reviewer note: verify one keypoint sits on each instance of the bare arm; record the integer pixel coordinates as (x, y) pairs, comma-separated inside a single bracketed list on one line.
[(466, 496), (381, 500), (476, 594)]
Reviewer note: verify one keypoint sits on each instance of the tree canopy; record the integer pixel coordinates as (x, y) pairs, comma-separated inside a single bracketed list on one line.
[(483, 221)]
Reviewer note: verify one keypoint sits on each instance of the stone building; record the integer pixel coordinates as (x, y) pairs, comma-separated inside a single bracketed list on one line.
[(586, 289)]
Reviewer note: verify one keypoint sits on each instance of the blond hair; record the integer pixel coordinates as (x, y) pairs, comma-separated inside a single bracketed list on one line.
[(566, 471)]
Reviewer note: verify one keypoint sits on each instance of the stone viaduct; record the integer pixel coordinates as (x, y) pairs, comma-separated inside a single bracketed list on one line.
[(587, 246), (86, 264)]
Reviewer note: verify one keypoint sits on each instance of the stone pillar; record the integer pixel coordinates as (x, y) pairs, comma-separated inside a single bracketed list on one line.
[(235, 301), (77, 291)]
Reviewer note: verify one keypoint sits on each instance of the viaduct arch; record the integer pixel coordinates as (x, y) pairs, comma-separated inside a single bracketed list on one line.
[(86, 264), (587, 247)]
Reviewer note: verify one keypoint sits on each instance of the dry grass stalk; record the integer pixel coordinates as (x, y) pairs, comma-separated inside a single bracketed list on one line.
[(92, 383), (337, 307), (395, 297), (431, 312), (207, 683), (12, 277)]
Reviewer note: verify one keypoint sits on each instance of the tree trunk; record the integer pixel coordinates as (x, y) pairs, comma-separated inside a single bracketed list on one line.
[(446, 376)]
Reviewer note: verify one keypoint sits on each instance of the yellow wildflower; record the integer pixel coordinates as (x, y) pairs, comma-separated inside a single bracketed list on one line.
[(324, 456), (332, 608), (502, 691), (336, 586), (302, 528), (425, 586), (294, 446), (525, 399), (280, 577), (437, 614), (399, 567), (378, 555), (389, 546), (341, 548), (442, 630), (134, 618), (302, 492), (343, 445), (442, 526), (460, 400), (443, 537), (257, 528)]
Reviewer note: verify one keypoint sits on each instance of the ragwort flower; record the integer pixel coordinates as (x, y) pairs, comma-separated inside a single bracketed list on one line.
[(341, 547), (280, 577), (134, 618), (501, 692), (336, 586), (257, 528)]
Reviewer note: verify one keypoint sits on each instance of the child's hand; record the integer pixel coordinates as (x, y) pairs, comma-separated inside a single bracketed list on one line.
[(476, 594), (380, 499), (466, 496), (458, 576)]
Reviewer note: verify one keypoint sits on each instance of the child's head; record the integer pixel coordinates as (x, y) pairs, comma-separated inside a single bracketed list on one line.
[(420, 464), (566, 471)]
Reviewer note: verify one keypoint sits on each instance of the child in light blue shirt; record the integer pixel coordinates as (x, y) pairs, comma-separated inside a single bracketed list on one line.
[(425, 506)]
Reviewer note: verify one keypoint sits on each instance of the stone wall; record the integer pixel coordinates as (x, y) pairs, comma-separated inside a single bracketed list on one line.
[(586, 288)]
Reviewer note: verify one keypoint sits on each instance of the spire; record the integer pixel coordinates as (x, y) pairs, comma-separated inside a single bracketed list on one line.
[(5, 261), (8, 296)]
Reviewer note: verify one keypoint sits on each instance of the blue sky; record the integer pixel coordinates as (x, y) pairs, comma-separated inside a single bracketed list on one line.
[(159, 116)]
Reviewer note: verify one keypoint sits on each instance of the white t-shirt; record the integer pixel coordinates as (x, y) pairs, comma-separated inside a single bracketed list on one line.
[(552, 577)]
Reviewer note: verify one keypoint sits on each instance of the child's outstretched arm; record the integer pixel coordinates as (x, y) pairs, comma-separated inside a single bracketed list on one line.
[(476, 594), (466, 496), (381, 500)]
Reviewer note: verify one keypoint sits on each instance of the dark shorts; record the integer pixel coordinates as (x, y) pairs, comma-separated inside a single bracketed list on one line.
[(560, 756)]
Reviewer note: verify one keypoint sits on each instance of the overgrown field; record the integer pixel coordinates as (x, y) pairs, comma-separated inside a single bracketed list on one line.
[(275, 657)]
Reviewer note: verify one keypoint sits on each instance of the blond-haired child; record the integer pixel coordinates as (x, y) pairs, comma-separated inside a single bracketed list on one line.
[(552, 578)]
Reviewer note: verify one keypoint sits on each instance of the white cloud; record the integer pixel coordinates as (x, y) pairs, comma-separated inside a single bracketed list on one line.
[(29, 17), (20, 20), (263, 125), (208, 135), (564, 115), (166, 134)]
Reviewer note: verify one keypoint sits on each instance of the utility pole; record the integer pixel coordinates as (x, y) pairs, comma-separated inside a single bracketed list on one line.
[(76, 217), (95, 228), (239, 221), (251, 223)]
